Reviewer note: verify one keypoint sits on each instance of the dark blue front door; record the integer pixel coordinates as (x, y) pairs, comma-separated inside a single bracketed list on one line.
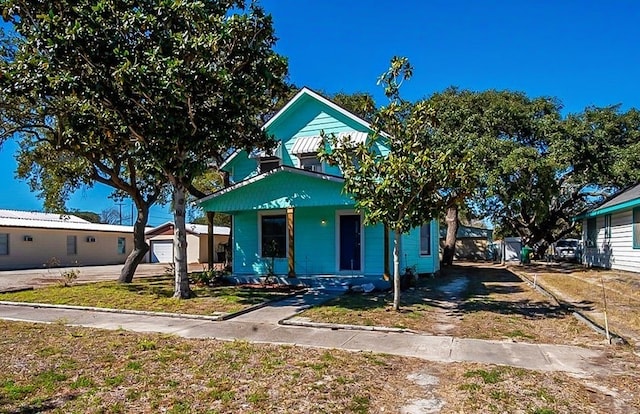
[(350, 242)]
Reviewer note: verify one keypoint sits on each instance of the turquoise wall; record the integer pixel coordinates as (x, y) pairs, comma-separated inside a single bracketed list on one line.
[(315, 244), (410, 255), (306, 117)]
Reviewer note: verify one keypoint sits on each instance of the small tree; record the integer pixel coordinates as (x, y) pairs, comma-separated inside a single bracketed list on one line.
[(401, 189)]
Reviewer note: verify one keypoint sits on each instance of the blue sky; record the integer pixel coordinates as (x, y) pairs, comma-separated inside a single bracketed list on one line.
[(582, 52)]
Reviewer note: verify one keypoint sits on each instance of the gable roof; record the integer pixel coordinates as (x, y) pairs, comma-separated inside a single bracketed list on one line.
[(305, 91), (625, 199), (302, 93), (192, 228), (262, 176), (34, 219)]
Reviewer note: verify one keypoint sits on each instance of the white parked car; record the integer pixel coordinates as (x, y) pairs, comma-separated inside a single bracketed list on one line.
[(567, 249)]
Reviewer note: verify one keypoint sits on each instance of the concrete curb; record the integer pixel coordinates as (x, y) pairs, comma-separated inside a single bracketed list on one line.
[(119, 311), (228, 316), (615, 338), (334, 326), (219, 317), (16, 289)]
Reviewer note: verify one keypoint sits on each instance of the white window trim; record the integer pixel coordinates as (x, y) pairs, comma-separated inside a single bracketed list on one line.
[(337, 242), (278, 212)]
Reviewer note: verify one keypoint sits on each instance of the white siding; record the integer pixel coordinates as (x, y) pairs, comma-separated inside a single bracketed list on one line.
[(617, 253)]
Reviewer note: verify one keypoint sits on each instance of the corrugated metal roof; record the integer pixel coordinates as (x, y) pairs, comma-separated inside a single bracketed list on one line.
[(310, 144), (356, 137), (193, 228), (29, 219), (36, 215), (305, 145)]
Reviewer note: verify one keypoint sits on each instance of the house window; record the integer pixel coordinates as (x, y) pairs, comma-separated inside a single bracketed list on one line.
[(72, 245), (122, 245), (592, 232), (269, 163), (4, 244), (425, 239), (310, 162), (273, 240), (636, 228), (607, 227)]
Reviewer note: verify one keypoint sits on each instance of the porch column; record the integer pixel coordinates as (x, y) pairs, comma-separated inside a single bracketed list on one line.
[(290, 253), (210, 250), (228, 257), (386, 253)]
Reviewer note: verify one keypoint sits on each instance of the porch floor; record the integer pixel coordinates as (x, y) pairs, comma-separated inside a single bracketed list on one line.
[(325, 281)]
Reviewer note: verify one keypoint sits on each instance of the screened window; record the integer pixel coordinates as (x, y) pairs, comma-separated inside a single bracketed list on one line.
[(274, 236), (592, 232), (636, 228), (122, 245), (72, 245), (310, 162), (425, 240), (4, 244)]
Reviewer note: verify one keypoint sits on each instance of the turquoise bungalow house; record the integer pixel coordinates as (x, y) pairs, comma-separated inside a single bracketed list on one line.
[(289, 213)]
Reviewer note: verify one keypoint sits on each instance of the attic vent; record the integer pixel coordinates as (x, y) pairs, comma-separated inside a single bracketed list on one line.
[(27, 238), (91, 239)]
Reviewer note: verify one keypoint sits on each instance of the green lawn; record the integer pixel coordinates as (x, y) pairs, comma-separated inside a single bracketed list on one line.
[(149, 294)]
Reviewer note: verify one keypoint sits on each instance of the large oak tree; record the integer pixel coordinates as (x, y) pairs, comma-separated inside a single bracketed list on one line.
[(171, 84)]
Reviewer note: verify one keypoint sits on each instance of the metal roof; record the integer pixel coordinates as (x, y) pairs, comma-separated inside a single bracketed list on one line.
[(624, 200), (305, 145), (197, 229), (32, 219), (630, 194)]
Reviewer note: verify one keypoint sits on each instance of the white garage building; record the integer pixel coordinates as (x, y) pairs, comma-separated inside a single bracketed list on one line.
[(160, 241)]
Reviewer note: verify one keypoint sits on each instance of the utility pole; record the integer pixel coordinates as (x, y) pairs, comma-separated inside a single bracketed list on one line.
[(120, 213)]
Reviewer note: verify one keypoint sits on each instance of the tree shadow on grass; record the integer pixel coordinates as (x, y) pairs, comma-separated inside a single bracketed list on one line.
[(463, 290), (43, 406)]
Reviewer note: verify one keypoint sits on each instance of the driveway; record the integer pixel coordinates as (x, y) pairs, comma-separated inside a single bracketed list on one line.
[(13, 279)]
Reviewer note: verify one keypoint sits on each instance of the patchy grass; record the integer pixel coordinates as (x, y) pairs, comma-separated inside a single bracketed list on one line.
[(583, 288), (60, 369), (149, 294), (484, 302)]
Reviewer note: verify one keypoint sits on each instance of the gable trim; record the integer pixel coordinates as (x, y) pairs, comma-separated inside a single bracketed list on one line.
[(282, 168), (307, 91)]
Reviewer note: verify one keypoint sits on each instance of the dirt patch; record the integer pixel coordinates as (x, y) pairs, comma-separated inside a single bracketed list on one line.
[(479, 301)]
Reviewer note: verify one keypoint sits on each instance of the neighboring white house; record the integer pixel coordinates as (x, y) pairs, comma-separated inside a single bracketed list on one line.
[(35, 240), (611, 232), (160, 241)]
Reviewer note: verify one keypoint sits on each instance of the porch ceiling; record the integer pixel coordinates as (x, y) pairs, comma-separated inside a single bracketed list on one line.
[(282, 188)]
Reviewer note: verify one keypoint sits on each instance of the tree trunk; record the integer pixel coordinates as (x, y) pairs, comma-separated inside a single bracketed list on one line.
[(181, 287), (452, 231), (396, 270), (140, 246)]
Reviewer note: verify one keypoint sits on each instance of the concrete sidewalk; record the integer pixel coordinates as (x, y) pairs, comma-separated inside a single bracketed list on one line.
[(261, 326)]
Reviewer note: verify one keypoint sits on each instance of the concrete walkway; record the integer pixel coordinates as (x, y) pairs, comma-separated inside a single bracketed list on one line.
[(262, 326)]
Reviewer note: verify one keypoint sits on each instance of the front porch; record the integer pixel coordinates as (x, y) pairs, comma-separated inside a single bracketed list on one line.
[(326, 282), (299, 224)]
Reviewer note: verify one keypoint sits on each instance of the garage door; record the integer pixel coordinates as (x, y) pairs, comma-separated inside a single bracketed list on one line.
[(162, 251)]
